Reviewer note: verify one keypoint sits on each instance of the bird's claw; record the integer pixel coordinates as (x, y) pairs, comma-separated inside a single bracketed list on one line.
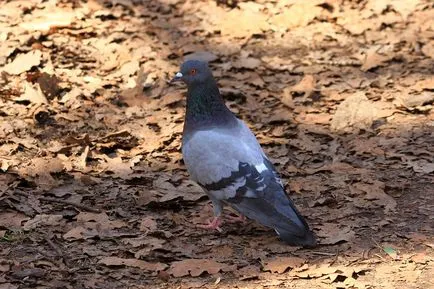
[(213, 224), (235, 219)]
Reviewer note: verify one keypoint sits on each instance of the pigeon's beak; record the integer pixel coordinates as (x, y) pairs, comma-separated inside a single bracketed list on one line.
[(178, 77)]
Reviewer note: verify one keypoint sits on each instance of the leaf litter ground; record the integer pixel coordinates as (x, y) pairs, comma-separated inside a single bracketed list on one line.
[(93, 190)]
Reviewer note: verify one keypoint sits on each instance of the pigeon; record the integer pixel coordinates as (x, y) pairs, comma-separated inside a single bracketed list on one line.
[(224, 157)]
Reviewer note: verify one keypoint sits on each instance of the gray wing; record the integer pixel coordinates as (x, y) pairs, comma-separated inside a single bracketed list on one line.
[(212, 155), (232, 167)]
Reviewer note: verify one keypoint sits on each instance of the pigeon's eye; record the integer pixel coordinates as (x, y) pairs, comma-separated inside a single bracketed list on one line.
[(193, 71)]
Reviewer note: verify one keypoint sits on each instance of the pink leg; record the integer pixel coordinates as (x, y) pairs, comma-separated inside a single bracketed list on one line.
[(213, 224)]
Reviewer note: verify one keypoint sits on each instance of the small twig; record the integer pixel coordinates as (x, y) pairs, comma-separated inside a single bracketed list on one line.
[(53, 246), (323, 253), (57, 250), (74, 204)]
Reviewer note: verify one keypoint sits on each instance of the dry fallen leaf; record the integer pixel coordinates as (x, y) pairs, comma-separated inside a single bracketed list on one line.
[(306, 86), (31, 94), (147, 225), (142, 265), (12, 220), (374, 192), (43, 220), (404, 7), (134, 96), (24, 62), (195, 267), (358, 112), (428, 49), (281, 264), (247, 62), (8, 286), (53, 17), (298, 14), (332, 234), (373, 59)]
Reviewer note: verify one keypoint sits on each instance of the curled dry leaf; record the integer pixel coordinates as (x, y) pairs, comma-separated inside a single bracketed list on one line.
[(24, 62)]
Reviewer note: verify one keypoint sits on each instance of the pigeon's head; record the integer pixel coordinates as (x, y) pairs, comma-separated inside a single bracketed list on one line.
[(193, 72)]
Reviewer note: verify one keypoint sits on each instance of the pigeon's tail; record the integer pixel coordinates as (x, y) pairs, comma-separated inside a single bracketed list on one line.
[(307, 240), (292, 228), (281, 215)]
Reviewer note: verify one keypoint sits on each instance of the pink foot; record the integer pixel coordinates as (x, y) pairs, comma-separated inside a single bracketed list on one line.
[(235, 219), (213, 224)]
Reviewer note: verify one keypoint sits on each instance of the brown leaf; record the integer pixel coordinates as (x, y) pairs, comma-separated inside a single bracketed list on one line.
[(24, 62), (424, 84), (12, 220), (332, 234), (405, 7), (8, 286), (421, 166), (31, 94), (306, 86), (134, 96), (239, 23), (299, 14), (41, 168), (411, 101), (153, 243), (78, 233), (373, 59), (358, 112), (281, 264), (428, 49), (195, 267), (375, 192), (143, 265), (42, 220), (247, 62), (148, 224), (187, 191), (49, 85), (248, 272), (118, 166), (46, 19)]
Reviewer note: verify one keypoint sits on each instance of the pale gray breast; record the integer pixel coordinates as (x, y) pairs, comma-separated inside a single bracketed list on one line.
[(211, 155)]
